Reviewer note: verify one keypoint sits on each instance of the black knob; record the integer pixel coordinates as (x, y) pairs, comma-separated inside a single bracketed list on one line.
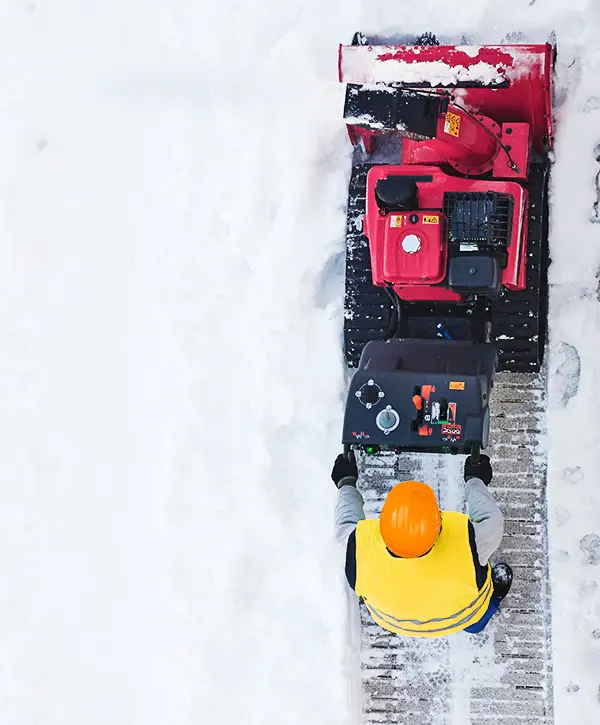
[(369, 394), (443, 409), (413, 218)]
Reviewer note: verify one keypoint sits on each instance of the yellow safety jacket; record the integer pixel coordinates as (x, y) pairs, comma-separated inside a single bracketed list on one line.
[(430, 596)]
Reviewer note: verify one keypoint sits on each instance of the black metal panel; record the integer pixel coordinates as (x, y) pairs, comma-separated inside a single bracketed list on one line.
[(478, 218), (394, 109)]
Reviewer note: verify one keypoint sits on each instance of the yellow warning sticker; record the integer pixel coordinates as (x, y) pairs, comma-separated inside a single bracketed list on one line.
[(395, 221), (452, 124), (431, 220), (457, 386)]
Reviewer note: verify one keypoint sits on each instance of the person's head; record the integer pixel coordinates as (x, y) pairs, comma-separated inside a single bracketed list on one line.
[(410, 520)]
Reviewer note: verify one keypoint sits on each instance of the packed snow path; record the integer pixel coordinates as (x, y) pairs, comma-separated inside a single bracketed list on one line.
[(503, 675)]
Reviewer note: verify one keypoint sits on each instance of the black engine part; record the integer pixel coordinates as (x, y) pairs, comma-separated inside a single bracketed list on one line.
[(473, 273), (478, 218), (396, 193)]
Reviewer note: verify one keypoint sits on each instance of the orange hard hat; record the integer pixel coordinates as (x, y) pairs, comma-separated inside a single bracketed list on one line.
[(410, 520)]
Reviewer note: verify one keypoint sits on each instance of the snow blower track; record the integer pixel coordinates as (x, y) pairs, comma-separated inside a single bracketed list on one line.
[(502, 676)]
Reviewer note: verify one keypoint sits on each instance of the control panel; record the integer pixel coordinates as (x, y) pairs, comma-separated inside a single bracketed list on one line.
[(421, 395)]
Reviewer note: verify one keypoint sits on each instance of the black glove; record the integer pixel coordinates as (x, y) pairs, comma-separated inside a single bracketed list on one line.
[(482, 470), (345, 467)]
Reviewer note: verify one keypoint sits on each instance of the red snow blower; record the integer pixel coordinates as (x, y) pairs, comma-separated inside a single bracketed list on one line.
[(447, 233)]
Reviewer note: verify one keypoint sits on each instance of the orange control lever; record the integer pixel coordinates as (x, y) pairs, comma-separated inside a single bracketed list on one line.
[(426, 391), (418, 402)]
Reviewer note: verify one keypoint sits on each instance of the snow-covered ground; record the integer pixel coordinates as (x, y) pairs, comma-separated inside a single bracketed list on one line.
[(574, 440), (172, 189)]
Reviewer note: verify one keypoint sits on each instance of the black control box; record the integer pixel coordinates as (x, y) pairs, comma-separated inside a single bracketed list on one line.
[(421, 396)]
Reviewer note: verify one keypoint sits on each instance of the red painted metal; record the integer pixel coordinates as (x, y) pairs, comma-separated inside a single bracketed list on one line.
[(413, 252), (466, 56), (517, 139), (366, 135), (415, 272), (475, 152), (425, 293), (516, 79), (463, 143)]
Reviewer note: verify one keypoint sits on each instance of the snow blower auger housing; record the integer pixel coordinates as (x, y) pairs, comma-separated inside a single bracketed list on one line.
[(448, 212)]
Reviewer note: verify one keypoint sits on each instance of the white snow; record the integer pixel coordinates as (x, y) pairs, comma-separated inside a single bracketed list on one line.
[(366, 119), (369, 64), (471, 50), (574, 441), (173, 179)]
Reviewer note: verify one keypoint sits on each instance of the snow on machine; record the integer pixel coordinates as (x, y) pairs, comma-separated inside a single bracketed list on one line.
[(447, 236)]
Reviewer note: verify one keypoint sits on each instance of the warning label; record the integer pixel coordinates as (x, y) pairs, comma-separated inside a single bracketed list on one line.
[(451, 433), (431, 220), (395, 221), (452, 124), (457, 386)]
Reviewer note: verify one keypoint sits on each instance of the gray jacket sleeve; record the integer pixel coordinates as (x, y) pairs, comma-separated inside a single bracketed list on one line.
[(487, 519), (348, 512)]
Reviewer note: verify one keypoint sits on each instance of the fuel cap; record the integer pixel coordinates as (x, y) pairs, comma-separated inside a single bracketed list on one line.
[(411, 243)]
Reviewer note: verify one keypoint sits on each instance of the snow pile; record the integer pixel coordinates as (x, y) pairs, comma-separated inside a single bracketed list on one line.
[(364, 67), (367, 120), (372, 64), (170, 365)]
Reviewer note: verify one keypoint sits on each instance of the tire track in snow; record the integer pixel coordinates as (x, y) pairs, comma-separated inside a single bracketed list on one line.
[(505, 672)]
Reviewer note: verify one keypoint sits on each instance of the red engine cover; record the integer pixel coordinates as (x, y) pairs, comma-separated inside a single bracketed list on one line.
[(408, 249)]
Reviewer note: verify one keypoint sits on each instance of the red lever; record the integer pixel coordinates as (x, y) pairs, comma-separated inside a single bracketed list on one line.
[(418, 402)]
